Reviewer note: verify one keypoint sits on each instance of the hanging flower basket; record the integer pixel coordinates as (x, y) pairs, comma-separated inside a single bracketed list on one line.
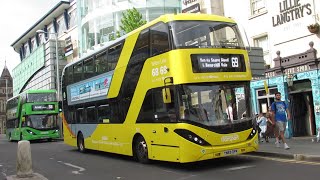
[(314, 28)]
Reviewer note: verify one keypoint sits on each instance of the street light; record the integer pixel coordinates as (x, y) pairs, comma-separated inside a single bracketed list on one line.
[(57, 61)]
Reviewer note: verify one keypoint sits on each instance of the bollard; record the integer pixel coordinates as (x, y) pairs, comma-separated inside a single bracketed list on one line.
[(24, 161)]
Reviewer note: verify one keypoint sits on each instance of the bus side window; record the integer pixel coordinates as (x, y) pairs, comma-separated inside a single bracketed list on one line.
[(113, 56), (90, 113), (146, 111), (141, 50), (79, 115), (77, 72), (159, 39), (164, 111), (88, 68), (101, 63), (68, 77), (104, 113)]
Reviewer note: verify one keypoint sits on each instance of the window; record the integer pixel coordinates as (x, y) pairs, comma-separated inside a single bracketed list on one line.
[(155, 110), (104, 113), (33, 44), (141, 49), (113, 56), (91, 115), (88, 68), (262, 41), (72, 19), (257, 6), (26, 50), (62, 27), (68, 76), (77, 72), (159, 39), (101, 63), (79, 115)]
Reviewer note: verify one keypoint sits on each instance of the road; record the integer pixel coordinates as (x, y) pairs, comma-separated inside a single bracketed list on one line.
[(57, 161)]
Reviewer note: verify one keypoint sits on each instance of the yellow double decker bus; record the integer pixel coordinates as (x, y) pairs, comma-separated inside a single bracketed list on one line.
[(175, 89)]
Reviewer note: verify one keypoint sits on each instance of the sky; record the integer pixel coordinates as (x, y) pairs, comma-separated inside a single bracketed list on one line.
[(16, 17)]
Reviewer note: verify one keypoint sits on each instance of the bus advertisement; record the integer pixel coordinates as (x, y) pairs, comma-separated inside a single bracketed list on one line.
[(32, 115), (176, 89)]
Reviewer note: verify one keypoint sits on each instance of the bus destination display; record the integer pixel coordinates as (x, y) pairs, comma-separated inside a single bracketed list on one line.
[(218, 63)]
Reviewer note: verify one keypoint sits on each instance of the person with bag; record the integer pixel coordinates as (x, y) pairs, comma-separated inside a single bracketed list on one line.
[(281, 116), (270, 127)]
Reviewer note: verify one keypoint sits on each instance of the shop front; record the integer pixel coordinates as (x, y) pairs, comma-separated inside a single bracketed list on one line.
[(296, 77)]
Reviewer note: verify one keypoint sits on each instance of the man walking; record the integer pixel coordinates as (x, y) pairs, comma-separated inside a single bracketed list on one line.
[(281, 115)]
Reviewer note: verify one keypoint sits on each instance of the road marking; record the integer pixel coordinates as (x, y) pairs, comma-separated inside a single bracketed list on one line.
[(74, 166), (286, 160), (239, 168)]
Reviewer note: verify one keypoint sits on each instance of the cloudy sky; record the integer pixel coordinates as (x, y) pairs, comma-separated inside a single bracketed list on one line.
[(16, 17)]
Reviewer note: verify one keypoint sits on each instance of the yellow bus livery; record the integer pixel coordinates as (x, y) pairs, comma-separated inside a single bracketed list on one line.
[(175, 89)]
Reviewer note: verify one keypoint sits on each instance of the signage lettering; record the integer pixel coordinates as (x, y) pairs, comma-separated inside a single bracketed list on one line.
[(218, 63), (291, 10), (186, 2)]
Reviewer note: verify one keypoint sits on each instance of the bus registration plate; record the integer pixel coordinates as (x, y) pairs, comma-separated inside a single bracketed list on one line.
[(230, 152)]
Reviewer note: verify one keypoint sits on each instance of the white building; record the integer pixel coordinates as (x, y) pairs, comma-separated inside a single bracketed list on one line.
[(277, 25)]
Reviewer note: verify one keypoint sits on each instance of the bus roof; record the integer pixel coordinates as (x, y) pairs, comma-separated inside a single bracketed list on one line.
[(163, 18)]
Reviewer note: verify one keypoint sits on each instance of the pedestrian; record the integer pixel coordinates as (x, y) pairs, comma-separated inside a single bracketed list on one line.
[(270, 127), (262, 122), (281, 115)]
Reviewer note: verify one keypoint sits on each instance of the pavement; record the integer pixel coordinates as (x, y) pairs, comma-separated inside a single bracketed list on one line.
[(301, 149)]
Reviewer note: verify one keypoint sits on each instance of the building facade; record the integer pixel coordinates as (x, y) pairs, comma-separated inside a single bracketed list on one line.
[(37, 49), (100, 20), (5, 94), (290, 46)]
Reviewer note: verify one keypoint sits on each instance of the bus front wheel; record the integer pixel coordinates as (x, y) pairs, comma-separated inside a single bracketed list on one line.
[(141, 150), (80, 143)]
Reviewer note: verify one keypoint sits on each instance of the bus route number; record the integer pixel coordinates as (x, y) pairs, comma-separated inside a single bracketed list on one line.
[(159, 71)]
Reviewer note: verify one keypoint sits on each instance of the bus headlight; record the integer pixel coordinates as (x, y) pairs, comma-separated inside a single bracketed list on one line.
[(252, 133), (30, 132), (190, 136)]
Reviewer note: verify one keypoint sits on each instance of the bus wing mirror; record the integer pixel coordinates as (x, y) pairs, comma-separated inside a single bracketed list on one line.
[(166, 95)]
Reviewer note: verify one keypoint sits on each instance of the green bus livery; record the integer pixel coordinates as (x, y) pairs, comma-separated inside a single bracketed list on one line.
[(32, 115)]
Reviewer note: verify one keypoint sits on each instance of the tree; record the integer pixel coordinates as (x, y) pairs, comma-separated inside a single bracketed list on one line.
[(131, 20)]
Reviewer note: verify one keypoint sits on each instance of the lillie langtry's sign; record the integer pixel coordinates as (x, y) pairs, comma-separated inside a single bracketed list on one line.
[(291, 10), (186, 2)]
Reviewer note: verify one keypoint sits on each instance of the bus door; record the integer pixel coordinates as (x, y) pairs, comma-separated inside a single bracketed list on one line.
[(165, 145)]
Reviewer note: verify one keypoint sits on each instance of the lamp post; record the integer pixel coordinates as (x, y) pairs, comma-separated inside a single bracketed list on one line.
[(57, 61)]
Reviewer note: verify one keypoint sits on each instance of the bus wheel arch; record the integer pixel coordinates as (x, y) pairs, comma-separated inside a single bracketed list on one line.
[(80, 142), (140, 149)]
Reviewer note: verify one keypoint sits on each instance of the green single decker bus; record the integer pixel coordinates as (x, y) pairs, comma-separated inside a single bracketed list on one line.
[(33, 115)]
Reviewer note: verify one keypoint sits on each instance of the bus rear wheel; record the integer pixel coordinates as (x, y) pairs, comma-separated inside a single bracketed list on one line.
[(80, 143), (141, 150)]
